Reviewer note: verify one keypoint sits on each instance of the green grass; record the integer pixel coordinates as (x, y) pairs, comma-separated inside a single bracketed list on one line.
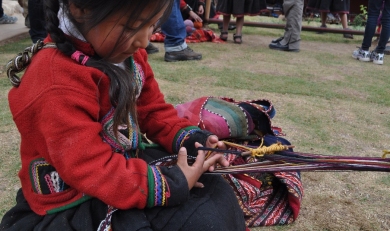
[(326, 102)]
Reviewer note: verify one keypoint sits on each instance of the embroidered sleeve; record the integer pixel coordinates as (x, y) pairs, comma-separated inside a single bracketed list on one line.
[(167, 186), (187, 138)]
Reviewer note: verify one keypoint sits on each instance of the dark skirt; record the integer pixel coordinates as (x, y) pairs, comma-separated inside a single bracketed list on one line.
[(334, 6), (214, 207), (239, 8)]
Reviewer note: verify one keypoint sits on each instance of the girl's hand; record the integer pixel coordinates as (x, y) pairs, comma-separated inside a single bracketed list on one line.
[(213, 142), (192, 173), (195, 16), (200, 10)]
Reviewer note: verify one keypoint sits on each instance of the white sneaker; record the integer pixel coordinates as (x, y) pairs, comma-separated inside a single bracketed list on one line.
[(361, 55), (377, 58)]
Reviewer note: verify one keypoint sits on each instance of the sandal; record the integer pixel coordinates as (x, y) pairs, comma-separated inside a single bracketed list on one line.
[(224, 35), (237, 39), (347, 35)]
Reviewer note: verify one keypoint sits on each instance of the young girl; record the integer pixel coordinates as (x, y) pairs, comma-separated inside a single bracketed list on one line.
[(238, 9), (83, 101)]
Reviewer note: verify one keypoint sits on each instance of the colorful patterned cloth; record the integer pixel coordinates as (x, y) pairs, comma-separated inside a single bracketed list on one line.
[(199, 35), (265, 198)]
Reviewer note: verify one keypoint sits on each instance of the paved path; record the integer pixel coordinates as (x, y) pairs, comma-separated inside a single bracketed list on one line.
[(10, 31)]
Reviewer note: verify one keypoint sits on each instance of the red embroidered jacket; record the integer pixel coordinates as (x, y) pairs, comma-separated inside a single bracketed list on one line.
[(57, 109)]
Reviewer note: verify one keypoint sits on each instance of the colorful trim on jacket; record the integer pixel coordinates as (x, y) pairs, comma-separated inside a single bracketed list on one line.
[(158, 188), (181, 136), (127, 138), (46, 180)]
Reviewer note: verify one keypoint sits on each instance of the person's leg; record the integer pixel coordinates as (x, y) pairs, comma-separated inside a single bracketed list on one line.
[(239, 25), (225, 25), (363, 53), (373, 14), (174, 30), (176, 48), (377, 55), (324, 16), (37, 20), (385, 32), (1, 9), (214, 207), (238, 35), (291, 40), (344, 20), (344, 23), (293, 35)]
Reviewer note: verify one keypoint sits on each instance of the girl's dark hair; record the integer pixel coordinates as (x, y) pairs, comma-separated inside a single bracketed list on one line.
[(123, 90)]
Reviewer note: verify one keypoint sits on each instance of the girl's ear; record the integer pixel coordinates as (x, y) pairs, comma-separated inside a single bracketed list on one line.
[(78, 13)]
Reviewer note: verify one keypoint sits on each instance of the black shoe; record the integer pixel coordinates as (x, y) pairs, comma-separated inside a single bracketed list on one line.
[(183, 55), (151, 49), (277, 40), (278, 46), (347, 35)]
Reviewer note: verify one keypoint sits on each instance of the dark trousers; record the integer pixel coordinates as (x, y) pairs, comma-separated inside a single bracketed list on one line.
[(374, 7), (37, 20), (1, 9)]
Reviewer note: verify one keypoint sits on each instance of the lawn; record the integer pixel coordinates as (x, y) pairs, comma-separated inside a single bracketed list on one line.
[(326, 102)]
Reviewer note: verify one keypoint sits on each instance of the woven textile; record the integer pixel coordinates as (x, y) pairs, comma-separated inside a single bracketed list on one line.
[(265, 198), (228, 118)]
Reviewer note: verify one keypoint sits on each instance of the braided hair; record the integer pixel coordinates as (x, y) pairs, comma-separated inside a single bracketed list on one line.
[(122, 88)]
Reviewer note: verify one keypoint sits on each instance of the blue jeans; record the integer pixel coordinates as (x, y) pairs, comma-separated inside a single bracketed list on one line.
[(374, 7), (174, 30)]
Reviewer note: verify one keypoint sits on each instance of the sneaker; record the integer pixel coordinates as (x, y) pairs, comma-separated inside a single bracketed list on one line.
[(8, 19), (151, 49), (183, 55), (361, 55), (377, 58)]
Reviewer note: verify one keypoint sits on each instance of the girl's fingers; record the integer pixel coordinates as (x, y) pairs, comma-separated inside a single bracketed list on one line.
[(200, 158), (182, 157), (213, 160), (198, 185)]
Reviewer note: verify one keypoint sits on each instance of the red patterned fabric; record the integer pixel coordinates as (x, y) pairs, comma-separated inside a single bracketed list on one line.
[(267, 198), (199, 35)]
